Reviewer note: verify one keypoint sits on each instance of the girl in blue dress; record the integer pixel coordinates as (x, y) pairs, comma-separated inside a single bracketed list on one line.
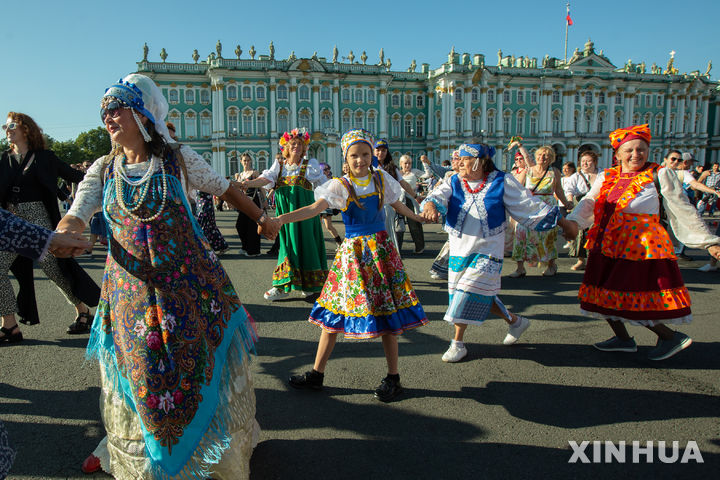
[(367, 293)]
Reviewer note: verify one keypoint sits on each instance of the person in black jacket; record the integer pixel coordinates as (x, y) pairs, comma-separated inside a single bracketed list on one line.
[(29, 188)]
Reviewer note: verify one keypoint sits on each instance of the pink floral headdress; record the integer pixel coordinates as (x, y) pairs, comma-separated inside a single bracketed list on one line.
[(300, 133)]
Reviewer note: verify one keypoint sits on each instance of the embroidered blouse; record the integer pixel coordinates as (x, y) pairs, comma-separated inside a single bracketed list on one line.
[(337, 196), (313, 172)]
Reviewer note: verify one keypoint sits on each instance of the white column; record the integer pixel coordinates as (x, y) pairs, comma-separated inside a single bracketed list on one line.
[(668, 110), (316, 104), (383, 110), (606, 161), (701, 156), (596, 104), (543, 111), (548, 114), (629, 107), (293, 103), (581, 116), (705, 112), (430, 124), (483, 106), (336, 105), (611, 111), (680, 126), (499, 106), (273, 108), (693, 114), (218, 107), (467, 131)]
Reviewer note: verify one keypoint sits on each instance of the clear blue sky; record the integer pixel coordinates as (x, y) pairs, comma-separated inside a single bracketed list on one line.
[(58, 57)]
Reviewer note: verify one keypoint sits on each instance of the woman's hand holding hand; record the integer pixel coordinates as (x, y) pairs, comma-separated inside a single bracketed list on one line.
[(714, 251), (570, 228), (430, 213)]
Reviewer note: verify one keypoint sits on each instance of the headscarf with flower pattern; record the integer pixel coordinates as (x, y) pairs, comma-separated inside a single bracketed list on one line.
[(622, 135)]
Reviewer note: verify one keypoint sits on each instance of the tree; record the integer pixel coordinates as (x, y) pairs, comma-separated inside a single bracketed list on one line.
[(4, 145), (67, 151), (94, 143)]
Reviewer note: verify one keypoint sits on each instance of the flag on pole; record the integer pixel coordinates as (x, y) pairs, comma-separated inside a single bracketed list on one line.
[(567, 18)]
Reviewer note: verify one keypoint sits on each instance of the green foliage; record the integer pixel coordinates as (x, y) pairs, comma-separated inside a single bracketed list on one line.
[(4, 145), (68, 151), (94, 143)]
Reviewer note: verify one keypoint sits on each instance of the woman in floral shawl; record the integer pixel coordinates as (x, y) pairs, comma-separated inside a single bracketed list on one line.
[(171, 335)]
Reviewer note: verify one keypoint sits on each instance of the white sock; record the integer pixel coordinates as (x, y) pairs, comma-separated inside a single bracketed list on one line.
[(457, 343)]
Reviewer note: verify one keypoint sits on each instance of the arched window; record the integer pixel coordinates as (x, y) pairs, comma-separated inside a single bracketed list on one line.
[(420, 101), (476, 122), (190, 96), (506, 96), (588, 121), (174, 117), (359, 119), (282, 94), (475, 95), (325, 93), (458, 94), (520, 97), (491, 122), (534, 97), (190, 124), (438, 124), (232, 121), (233, 163), (407, 99), (658, 124), (371, 96), (520, 123), (247, 126), (408, 126), (358, 95), (231, 93), (205, 125), (556, 96), (346, 95), (282, 121), (261, 122), (507, 116), (173, 96), (588, 97), (304, 93), (325, 120), (459, 121), (304, 120), (205, 96), (491, 96), (533, 124), (556, 122), (262, 160), (246, 93), (372, 122), (346, 121), (601, 98), (601, 122), (395, 100), (395, 124), (618, 119), (420, 126), (260, 93)]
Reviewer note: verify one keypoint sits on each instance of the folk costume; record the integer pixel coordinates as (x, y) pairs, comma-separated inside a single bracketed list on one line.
[(367, 293), (632, 273), (208, 224), (475, 219), (529, 244), (302, 263), (171, 336)]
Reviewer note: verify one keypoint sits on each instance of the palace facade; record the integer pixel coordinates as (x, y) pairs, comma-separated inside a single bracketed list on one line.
[(225, 107)]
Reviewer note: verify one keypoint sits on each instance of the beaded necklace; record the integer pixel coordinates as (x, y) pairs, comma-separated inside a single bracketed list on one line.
[(122, 178), (358, 182), (479, 187)]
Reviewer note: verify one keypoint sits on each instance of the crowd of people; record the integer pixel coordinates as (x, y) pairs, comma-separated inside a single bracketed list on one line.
[(170, 334)]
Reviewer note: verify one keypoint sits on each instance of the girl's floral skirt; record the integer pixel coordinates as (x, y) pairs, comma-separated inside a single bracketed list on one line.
[(367, 293)]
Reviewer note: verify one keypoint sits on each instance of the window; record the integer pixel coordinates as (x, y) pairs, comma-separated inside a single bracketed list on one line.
[(246, 93), (232, 120), (577, 97), (359, 120), (648, 100), (420, 126), (618, 119), (659, 99), (491, 96), (491, 123), (588, 97), (420, 101), (346, 121), (174, 117), (372, 122), (636, 119), (371, 96), (648, 118), (190, 96), (204, 97), (408, 124), (358, 95), (304, 93), (673, 102), (601, 98), (534, 97), (173, 96), (407, 100), (506, 122), (521, 97), (438, 124), (346, 95), (304, 120), (506, 96), (232, 93), (395, 100), (556, 123), (636, 100), (601, 122), (458, 95), (205, 125), (575, 121), (395, 124), (658, 125), (325, 120), (556, 96), (588, 120), (520, 123), (190, 125), (261, 123), (533, 125), (282, 121), (325, 93), (262, 161), (476, 123), (247, 126), (475, 95), (233, 163), (282, 94), (618, 99), (260, 93)]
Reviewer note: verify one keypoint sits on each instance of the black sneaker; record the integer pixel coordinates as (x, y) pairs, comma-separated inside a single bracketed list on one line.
[(311, 379), (388, 390)]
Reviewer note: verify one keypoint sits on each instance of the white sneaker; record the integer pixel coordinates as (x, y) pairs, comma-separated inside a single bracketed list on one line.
[(274, 294), (454, 353), (708, 267), (567, 245), (434, 275), (242, 252), (516, 329)]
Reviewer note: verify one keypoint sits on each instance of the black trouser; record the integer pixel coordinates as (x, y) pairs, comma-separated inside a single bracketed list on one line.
[(416, 231), (247, 231)]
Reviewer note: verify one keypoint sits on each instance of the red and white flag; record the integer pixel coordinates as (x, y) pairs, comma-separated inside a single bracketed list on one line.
[(567, 18)]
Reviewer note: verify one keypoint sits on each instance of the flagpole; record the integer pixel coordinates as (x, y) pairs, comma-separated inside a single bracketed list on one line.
[(566, 31)]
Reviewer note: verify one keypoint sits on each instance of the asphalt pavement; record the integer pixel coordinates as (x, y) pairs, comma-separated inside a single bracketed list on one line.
[(503, 412)]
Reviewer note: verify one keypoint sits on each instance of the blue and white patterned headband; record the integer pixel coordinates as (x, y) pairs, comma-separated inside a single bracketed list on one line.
[(476, 150), (130, 94)]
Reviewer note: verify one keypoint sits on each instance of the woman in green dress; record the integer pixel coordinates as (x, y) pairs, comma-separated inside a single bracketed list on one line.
[(302, 262)]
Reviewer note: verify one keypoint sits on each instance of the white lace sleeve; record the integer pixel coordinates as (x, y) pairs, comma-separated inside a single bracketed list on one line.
[(684, 219), (525, 208), (334, 192), (584, 212), (393, 189), (271, 174), (314, 173), (88, 197), (201, 175)]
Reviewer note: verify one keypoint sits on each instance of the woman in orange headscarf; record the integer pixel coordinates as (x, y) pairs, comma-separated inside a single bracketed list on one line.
[(632, 273)]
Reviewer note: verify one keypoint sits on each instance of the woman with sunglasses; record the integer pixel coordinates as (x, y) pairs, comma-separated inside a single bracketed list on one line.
[(29, 188), (171, 336)]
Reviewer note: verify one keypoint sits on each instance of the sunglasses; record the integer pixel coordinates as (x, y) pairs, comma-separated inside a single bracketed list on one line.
[(10, 126), (113, 109), (674, 159)]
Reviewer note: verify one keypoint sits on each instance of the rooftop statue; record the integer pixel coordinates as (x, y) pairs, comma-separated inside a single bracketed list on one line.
[(195, 56), (413, 65), (363, 57), (163, 54), (499, 58), (335, 54), (252, 52), (272, 51), (382, 57), (238, 52), (145, 52), (351, 56), (218, 49)]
